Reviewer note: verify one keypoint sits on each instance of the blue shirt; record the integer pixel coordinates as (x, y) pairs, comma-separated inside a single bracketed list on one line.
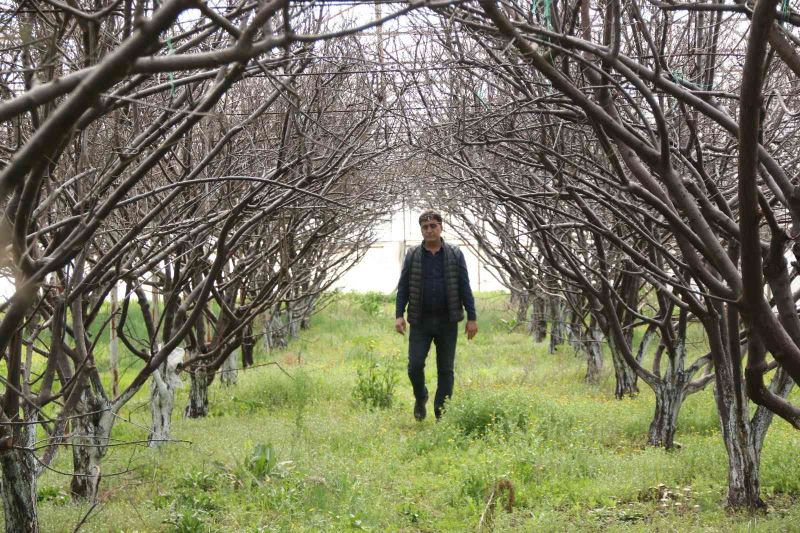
[(434, 300)]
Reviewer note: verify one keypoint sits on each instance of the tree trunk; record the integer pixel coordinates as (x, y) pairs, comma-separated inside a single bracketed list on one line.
[(228, 376), (594, 352), (645, 343), (113, 344), (624, 375), (18, 485), (556, 324), (520, 299), (669, 398), (162, 398), (737, 434), (781, 384), (247, 346), (576, 333), (276, 332), (269, 331), (538, 319), (293, 317), (198, 394), (308, 310), (743, 458), (91, 430)]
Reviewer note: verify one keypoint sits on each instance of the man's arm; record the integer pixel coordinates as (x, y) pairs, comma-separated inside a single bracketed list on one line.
[(402, 296), (471, 329), (466, 291)]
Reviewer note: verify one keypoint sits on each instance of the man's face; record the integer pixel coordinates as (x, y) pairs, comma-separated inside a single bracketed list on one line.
[(431, 230)]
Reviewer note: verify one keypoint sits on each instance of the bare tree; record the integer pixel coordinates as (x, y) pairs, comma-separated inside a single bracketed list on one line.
[(113, 115), (656, 120)]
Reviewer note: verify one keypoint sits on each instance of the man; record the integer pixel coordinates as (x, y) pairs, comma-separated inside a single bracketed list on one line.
[(435, 285)]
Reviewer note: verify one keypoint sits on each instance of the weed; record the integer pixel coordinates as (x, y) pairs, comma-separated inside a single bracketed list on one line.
[(474, 487), (301, 397), (475, 414), (262, 462), (258, 468), (162, 500), (356, 522), (197, 480), (375, 385), (52, 494), (372, 302), (188, 521), (363, 348), (196, 501), (412, 514), (274, 391), (552, 422)]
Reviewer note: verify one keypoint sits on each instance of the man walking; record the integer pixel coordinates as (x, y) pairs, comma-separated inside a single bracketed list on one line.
[(435, 284)]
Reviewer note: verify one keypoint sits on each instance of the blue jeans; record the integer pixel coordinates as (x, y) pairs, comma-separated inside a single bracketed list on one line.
[(444, 335)]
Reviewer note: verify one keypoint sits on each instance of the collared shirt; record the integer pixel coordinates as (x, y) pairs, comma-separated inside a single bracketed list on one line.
[(434, 296)]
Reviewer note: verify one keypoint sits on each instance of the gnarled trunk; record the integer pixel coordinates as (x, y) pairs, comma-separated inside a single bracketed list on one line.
[(520, 299), (162, 398), (228, 375), (18, 484), (556, 324), (594, 352), (304, 320), (538, 319), (91, 430), (275, 331), (744, 484), (247, 346), (113, 343), (576, 332), (740, 443), (293, 318), (624, 375), (669, 398), (198, 394)]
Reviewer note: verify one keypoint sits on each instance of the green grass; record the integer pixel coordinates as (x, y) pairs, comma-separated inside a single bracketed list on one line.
[(575, 456)]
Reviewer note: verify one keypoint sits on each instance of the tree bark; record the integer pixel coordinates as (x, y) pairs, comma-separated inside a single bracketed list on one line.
[(293, 318), (91, 430), (556, 324), (228, 376), (113, 343), (520, 299), (538, 320), (162, 398), (743, 458), (624, 375), (247, 346), (669, 398), (18, 485), (737, 434), (309, 303), (782, 384), (276, 332), (198, 394), (594, 352), (576, 333)]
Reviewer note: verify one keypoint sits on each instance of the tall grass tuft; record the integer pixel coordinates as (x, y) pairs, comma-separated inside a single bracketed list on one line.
[(375, 385), (476, 412)]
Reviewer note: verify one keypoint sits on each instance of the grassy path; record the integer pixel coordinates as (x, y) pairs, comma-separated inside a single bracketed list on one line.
[(281, 454)]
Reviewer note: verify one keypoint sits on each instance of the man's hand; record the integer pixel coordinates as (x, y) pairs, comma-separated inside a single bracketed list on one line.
[(472, 329), (400, 326)]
